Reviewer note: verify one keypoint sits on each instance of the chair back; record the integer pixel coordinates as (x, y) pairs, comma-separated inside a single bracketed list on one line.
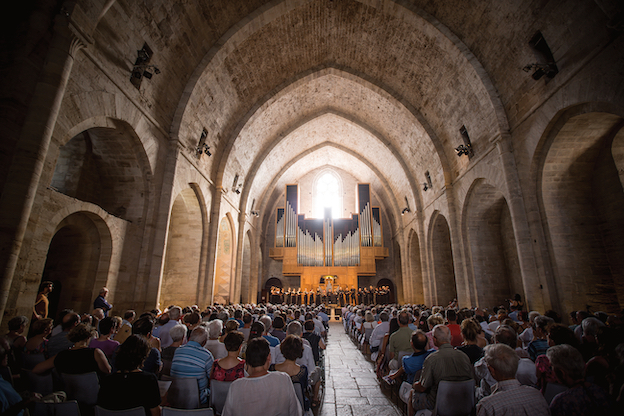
[(367, 334), (29, 361), (135, 411), (83, 388), (184, 393), (38, 383), (455, 398), (272, 349), (170, 411), (553, 389), (68, 408), (218, 394), (403, 354), (299, 392)]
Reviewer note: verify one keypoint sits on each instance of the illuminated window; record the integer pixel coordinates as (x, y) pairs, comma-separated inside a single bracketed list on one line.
[(328, 193)]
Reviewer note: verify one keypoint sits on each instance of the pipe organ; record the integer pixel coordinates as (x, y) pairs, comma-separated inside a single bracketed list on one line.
[(344, 248)]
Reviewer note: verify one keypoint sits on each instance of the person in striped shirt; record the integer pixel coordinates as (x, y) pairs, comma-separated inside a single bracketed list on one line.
[(193, 360)]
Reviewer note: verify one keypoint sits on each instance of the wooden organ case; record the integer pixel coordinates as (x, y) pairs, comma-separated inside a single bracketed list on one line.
[(342, 248)]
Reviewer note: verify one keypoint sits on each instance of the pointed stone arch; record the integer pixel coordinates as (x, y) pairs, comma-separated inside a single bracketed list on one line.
[(443, 270), (181, 269), (491, 246), (415, 269)]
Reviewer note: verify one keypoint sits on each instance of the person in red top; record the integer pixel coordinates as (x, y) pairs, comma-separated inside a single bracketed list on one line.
[(231, 367), (451, 318)]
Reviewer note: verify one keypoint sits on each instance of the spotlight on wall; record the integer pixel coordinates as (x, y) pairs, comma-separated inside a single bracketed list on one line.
[(236, 187), (466, 148), (254, 213), (407, 208), (428, 184), (545, 64), (203, 148)]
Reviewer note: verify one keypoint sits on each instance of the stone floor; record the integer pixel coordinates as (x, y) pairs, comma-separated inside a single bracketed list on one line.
[(351, 384)]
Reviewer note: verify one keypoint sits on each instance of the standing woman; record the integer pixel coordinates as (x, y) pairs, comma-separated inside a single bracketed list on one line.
[(40, 310)]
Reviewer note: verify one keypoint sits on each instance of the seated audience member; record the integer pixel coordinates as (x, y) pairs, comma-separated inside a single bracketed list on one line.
[(470, 332), (292, 349), (400, 341), (369, 322), (525, 373), (104, 342), (144, 326), (213, 344), (314, 372), (230, 367), (130, 387), (193, 360), (278, 328), (125, 329), (582, 397), (80, 358), (451, 318), (589, 342), (175, 314), (526, 336), (411, 364), (558, 334), (231, 325), (59, 342), (377, 336), (432, 322), (246, 328), (37, 343), (539, 345), (444, 364), (263, 392), (178, 336), (508, 395), (266, 321), (15, 336), (191, 321), (315, 340)]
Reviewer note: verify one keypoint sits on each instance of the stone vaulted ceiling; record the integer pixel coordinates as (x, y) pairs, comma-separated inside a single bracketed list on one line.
[(378, 88)]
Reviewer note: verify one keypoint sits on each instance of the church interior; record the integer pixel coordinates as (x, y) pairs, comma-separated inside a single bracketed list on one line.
[(172, 151)]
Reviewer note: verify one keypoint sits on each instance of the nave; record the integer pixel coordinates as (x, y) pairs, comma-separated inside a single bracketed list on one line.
[(351, 386)]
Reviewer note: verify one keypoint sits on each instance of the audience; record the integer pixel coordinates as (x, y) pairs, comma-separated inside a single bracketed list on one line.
[(292, 349), (262, 392), (108, 328), (144, 326), (80, 358), (444, 364), (472, 336), (231, 367), (582, 397), (193, 360), (508, 396), (213, 344), (400, 341), (60, 342), (129, 387)]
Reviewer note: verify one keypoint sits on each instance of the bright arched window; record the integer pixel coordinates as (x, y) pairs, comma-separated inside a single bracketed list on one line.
[(328, 193)]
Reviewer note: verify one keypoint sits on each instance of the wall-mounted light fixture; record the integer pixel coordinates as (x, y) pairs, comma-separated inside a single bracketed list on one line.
[(236, 187), (428, 184), (254, 213), (142, 66), (407, 208), (466, 148), (202, 147), (545, 64)]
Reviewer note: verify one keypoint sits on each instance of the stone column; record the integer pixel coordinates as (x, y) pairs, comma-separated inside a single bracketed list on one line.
[(23, 177), (213, 234)]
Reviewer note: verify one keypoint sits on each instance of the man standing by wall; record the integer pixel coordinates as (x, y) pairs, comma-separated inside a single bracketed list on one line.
[(100, 302)]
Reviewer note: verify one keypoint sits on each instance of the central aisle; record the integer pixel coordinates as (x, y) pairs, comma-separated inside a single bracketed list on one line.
[(352, 388)]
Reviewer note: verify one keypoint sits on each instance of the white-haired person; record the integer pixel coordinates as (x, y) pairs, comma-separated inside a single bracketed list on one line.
[(508, 395)]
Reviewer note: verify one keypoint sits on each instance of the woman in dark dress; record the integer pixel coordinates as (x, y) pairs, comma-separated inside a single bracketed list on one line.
[(130, 387)]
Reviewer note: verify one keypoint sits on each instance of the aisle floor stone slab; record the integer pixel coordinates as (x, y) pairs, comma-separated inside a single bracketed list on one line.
[(351, 386)]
